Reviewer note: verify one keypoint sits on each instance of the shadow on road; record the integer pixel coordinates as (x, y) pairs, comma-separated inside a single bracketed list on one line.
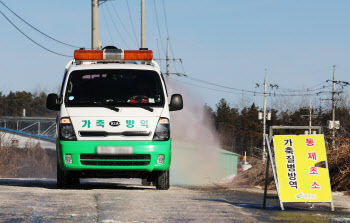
[(86, 185), (245, 205), (294, 207)]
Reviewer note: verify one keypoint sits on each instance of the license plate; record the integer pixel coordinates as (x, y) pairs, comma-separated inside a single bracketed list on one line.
[(114, 150)]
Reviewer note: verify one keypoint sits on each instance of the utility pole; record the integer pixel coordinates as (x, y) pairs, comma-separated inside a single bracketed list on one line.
[(332, 125), (333, 100), (167, 59), (94, 27), (264, 115), (310, 118), (264, 119), (143, 24)]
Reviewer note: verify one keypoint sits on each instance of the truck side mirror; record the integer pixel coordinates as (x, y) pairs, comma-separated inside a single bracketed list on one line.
[(52, 102), (176, 102)]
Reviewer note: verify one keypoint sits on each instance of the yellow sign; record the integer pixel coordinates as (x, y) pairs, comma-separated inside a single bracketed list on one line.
[(299, 178)]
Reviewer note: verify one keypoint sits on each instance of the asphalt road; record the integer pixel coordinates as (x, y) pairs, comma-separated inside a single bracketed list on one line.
[(38, 200)]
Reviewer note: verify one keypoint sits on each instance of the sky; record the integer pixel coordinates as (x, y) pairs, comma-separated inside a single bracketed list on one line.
[(226, 42)]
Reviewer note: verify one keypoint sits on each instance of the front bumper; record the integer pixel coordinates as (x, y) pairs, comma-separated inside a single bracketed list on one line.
[(82, 149)]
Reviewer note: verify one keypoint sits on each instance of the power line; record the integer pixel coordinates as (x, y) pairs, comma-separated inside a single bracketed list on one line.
[(159, 53), (309, 89), (183, 69), (121, 21), (109, 32), (38, 29), (247, 92), (213, 89), (132, 23), (31, 38), (317, 85), (218, 85), (121, 37), (301, 91), (166, 20), (274, 94), (242, 90), (160, 36), (167, 30)]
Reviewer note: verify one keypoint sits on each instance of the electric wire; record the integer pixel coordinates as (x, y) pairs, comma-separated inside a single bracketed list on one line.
[(309, 89), (183, 68), (160, 36), (132, 23), (317, 85), (121, 37), (290, 95), (222, 86), (31, 38), (159, 53), (248, 91), (122, 23), (167, 30), (300, 91), (105, 20), (38, 29), (166, 20), (213, 89)]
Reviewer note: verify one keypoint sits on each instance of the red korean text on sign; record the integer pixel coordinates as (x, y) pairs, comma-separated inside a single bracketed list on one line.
[(310, 142), (313, 171), (315, 185), (312, 156)]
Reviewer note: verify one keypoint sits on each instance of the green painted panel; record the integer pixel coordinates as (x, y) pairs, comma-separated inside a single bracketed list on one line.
[(76, 148)]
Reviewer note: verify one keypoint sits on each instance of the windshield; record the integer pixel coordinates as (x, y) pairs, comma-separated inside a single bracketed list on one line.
[(114, 87)]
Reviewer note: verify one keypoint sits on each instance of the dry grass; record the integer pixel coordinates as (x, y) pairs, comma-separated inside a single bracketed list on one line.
[(27, 162), (339, 163), (255, 176)]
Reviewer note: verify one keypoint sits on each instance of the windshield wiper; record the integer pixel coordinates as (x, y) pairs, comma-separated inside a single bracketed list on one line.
[(99, 104), (140, 106), (107, 106)]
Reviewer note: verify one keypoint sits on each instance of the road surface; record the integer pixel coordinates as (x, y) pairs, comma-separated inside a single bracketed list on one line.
[(38, 200)]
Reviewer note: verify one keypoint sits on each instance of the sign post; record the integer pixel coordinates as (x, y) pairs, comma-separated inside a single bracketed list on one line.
[(301, 169)]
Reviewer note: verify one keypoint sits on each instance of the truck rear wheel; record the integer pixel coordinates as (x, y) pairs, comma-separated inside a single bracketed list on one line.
[(162, 180)]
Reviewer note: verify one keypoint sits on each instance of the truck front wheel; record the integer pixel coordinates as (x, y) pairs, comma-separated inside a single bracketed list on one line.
[(162, 180), (66, 179)]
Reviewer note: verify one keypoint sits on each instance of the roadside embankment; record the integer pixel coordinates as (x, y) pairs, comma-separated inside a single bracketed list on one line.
[(27, 162)]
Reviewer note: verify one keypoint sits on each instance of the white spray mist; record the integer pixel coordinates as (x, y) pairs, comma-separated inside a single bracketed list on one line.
[(195, 147)]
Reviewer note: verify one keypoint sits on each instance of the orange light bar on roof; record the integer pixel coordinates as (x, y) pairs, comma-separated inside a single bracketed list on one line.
[(88, 55), (138, 55), (114, 55)]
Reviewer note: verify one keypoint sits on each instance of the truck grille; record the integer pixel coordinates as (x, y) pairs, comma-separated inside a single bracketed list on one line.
[(115, 160)]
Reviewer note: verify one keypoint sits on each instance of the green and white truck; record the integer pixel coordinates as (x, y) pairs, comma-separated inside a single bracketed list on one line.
[(113, 118)]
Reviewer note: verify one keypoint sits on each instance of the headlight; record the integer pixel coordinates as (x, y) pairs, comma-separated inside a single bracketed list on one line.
[(66, 130), (162, 132)]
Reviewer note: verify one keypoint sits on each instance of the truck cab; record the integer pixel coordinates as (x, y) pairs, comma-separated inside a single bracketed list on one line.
[(113, 118)]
